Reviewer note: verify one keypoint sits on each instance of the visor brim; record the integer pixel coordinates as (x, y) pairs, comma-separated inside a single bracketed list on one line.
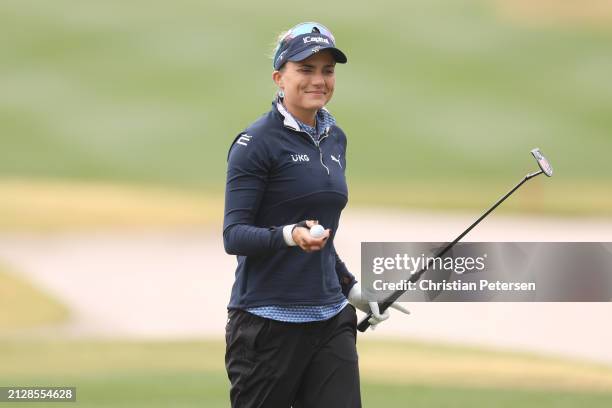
[(339, 56)]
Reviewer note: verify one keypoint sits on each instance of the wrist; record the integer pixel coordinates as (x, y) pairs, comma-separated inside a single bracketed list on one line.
[(354, 295), (288, 234)]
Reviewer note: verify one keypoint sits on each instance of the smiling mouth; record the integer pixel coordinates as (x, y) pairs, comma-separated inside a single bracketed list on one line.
[(316, 92)]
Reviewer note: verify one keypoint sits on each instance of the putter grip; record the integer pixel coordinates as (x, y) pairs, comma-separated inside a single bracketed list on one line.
[(364, 324)]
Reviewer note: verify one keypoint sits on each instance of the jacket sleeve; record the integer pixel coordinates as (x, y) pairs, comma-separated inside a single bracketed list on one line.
[(247, 175), (347, 280)]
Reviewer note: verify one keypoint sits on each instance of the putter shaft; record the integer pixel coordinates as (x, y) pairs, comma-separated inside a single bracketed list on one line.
[(364, 323)]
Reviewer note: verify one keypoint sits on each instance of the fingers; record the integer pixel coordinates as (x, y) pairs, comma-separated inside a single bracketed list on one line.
[(374, 309), (376, 315), (311, 223), (401, 308), (308, 243), (316, 244), (374, 321)]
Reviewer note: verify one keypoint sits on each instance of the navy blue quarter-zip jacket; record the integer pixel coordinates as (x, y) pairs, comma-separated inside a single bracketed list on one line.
[(278, 175)]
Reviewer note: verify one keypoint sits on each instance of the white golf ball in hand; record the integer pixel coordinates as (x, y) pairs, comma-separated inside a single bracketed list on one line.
[(317, 231)]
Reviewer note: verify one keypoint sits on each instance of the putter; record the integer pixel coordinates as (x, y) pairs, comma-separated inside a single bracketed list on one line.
[(545, 168)]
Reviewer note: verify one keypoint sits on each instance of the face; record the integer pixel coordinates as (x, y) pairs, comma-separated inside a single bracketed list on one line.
[(309, 84)]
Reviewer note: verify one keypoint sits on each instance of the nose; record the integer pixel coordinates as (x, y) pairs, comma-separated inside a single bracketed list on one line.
[(318, 79)]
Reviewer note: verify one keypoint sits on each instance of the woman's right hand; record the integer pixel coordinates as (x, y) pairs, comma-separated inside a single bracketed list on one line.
[(304, 240)]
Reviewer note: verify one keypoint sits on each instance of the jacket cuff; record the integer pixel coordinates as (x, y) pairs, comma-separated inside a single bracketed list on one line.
[(288, 236)]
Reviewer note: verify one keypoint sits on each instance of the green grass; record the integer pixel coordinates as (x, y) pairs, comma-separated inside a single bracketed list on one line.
[(190, 374), (436, 94), (382, 395), (211, 390)]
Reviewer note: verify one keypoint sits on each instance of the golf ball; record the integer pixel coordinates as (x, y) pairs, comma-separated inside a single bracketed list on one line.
[(317, 231)]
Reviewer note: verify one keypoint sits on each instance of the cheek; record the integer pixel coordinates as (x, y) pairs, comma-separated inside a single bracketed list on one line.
[(331, 86), (298, 86)]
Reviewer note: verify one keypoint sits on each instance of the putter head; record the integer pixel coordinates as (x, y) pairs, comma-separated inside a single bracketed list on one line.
[(542, 162)]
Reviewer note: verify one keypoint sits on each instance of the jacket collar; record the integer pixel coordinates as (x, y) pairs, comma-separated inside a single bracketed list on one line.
[(290, 122), (288, 119)]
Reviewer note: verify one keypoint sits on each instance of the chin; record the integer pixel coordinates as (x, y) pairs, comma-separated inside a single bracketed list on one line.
[(315, 104), (318, 106)]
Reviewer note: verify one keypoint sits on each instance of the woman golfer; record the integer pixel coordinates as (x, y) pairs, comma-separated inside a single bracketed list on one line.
[(290, 332)]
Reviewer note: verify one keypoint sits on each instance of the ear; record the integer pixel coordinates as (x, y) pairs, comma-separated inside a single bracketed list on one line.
[(277, 77)]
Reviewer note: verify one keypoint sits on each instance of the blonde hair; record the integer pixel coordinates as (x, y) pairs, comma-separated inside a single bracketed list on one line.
[(272, 54), (274, 46)]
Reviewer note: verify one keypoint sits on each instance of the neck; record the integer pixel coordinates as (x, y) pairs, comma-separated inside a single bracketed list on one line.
[(307, 116)]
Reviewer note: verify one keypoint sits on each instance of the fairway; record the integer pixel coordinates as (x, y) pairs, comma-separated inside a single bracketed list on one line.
[(191, 374), (211, 390), (140, 93)]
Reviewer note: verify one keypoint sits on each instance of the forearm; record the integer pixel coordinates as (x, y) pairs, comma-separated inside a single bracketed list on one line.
[(249, 240)]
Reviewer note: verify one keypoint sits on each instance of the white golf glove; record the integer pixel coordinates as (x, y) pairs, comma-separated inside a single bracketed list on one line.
[(355, 298)]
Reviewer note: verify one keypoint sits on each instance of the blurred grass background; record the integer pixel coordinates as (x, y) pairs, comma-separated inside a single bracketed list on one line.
[(183, 374), (121, 113), (441, 100), (24, 306), (137, 373)]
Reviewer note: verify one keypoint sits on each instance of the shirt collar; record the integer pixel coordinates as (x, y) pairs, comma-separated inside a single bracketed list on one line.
[(324, 118)]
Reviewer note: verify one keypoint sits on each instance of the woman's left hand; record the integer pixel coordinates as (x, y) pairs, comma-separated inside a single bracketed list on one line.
[(307, 242), (356, 298)]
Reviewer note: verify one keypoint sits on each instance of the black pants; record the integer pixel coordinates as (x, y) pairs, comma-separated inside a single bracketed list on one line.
[(275, 364)]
